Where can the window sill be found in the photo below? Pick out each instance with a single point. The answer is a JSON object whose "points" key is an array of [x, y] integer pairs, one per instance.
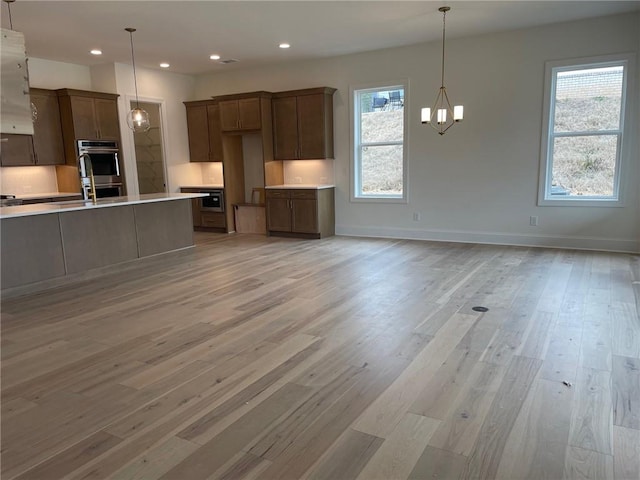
{"points": [[587, 202], [399, 200]]}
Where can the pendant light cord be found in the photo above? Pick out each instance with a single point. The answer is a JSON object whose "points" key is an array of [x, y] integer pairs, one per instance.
{"points": [[10, 19], [133, 61]]}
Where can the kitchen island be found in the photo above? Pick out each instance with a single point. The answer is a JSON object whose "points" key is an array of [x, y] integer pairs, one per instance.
{"points": [[44, 244]]}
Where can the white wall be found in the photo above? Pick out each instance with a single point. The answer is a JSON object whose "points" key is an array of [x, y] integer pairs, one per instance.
{"points": [[52, 75], [170, 90], [103, 78], [479, 181]]}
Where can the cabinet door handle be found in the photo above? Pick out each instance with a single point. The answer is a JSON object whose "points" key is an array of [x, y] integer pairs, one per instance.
{"points": [[35, 158]]}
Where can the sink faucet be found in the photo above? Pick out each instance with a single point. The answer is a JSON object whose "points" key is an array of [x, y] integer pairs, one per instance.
{"points": [[89, 172]]}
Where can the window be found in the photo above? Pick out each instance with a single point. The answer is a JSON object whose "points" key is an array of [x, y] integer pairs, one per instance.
{"points": [[379, 157], [583, 142]]}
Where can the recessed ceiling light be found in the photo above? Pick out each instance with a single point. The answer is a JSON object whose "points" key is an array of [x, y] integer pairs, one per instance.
{"points": [[284, 45], [95, 51], [215, 57], [165, 65]]}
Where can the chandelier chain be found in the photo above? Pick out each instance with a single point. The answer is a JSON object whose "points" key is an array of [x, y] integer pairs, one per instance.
{"points": [[444, 15]]}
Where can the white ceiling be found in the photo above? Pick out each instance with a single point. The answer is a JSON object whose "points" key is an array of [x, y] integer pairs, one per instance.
{"points": [[185, 33]]}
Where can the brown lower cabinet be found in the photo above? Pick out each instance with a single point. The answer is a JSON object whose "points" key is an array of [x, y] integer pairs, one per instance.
{"points": [[205, 220], [305, 213]]}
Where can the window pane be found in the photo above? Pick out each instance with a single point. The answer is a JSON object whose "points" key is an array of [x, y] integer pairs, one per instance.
{"points": [[584, 166], [381, 170], [588, 100], [382, 116]]}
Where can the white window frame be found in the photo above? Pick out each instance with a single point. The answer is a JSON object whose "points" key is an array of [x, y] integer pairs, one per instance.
{"points": [[546, 148], [354, 108]]}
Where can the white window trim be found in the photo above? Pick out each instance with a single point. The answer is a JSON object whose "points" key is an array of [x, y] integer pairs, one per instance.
{"points": [[624, 145], [354, 127]]}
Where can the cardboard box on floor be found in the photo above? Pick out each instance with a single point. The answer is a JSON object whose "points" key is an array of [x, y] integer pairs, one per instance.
{"points": [[250, 217]]}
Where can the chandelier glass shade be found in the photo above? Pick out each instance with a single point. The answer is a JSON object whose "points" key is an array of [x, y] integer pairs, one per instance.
{"points": [[442, 116]]}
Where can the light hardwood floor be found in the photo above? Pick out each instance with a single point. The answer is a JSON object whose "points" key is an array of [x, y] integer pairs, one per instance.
{"points": [[251, 357]]}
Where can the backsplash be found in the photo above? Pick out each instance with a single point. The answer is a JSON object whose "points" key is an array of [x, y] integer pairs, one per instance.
{"points": [[308, 171], [212, 173], [25, 180]]}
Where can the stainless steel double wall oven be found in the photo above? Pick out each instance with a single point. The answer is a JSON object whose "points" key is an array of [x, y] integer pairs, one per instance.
{"points": [[104, 155]]}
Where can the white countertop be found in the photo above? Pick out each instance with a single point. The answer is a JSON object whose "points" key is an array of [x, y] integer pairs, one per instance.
{"points": [[74, 205], [211, 185], [301, 186]]}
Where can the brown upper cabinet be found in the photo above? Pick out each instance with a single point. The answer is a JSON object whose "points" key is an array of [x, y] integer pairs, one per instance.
{"points": [[87, 116], [45, 146], [47, 129], [205, 136], [16, 150], [303, 124], [242, 112]]}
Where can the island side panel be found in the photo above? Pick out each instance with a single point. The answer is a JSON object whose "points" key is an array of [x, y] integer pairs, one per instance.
{"points": [[98, 237], [31, 250], [163, 226]]}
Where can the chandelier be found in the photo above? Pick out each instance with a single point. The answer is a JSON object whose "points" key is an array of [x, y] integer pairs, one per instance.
{"points": [[442, 112]]}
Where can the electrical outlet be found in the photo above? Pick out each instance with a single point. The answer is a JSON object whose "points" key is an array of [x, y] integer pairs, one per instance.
{"points": [[297, 179], [416, 216], [323, 180], [26, 189], [533, 221]]}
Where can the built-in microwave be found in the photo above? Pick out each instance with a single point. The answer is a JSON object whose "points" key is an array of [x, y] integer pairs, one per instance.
{"points": [[213, 202]]}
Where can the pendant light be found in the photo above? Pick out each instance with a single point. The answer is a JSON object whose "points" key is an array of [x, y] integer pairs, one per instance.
{"points": [[137, 119], [445, 115]]}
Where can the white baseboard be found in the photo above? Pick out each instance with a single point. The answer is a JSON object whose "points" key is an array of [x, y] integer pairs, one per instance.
{"points": [[495, 238]]}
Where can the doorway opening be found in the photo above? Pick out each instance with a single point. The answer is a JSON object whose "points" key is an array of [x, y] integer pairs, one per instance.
{"points": [[150, 162]]}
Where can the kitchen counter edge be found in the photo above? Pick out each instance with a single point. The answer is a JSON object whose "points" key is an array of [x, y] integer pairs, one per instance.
{"points": [[75, 205], [204, 187]]}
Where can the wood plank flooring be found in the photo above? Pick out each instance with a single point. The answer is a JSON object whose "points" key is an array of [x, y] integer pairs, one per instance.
{"points": [[264, 358]]}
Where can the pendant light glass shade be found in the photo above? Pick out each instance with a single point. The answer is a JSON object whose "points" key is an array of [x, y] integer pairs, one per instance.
{"points": [[137, 118]]}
